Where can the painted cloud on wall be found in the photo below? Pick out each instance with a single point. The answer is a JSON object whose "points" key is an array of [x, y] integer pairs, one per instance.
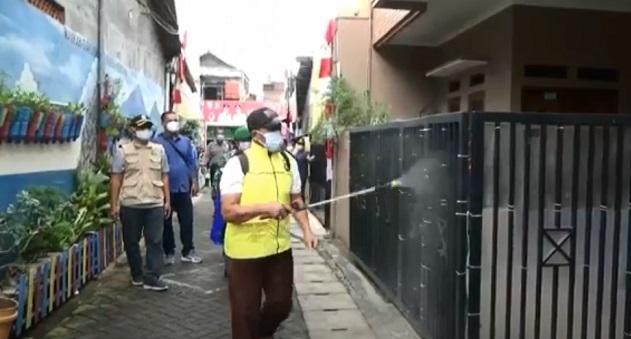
{"points": [[46, 56]]}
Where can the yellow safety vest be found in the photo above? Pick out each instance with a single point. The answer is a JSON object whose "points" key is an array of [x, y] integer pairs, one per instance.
{"points": [[268, 179]]}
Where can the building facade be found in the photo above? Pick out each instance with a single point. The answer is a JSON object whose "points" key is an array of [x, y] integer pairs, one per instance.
{"points": [[65, 50], [426, 57], [222, 81], [538, 55]]}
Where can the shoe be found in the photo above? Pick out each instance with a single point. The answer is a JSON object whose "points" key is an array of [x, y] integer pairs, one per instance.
{"points": [[169, 260], [191, 258], [136, 282], [156, 286]]}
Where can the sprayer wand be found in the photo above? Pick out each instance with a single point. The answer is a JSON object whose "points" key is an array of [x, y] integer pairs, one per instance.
{"points": [[392, 184]]}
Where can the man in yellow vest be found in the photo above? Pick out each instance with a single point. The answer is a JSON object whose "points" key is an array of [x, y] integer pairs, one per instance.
{"points": [[139, 187], [257, 189]]}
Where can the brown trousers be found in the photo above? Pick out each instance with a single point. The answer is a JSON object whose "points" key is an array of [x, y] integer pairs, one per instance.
{"points": [[248, 280]]}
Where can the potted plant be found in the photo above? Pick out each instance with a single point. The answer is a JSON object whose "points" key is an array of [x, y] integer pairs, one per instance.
{"points": [[40, 106], [22, 109], [6, 97], [78, 111]]}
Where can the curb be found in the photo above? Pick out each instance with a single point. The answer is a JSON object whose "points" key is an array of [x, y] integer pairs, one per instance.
{"points": [[378, 311]]}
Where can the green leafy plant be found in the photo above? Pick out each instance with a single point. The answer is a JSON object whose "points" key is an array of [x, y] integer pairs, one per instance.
{"points": [[45, 220], [26, 222], [36, 101], [350, 109], [91, 200], [6, 94], [77, 109], [190, 128], [102, 163], [117, 120]]}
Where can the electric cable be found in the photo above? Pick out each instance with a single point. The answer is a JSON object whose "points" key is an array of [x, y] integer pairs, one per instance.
{"points": [[160, 21]]}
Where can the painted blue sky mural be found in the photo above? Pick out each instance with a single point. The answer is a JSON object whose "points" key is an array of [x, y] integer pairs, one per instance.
{"points": [[47, 57]]}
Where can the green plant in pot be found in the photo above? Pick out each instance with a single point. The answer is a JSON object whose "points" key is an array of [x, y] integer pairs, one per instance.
{"points": [[91, 200], [350, 109]]}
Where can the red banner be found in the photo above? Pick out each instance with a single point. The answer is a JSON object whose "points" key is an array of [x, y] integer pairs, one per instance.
{"points": [[234, 113]]}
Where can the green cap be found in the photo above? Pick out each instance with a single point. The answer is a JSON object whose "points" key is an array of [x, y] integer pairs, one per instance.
{"points": [[242, 134]]}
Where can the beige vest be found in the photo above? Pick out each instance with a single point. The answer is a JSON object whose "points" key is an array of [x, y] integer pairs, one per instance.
{"points": [[142, 177]]}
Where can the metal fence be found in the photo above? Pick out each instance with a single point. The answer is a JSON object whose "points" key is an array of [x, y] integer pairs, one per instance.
{"points": [[510, 225]]}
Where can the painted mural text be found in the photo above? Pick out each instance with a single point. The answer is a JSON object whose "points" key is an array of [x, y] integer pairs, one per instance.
{"points": [[80, 41]]}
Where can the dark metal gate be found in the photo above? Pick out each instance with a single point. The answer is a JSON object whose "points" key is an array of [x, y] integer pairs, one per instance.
{"points": [[511, 225]]}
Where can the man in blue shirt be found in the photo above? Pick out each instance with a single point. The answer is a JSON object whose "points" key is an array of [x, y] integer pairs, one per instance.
{"points": [[184, 184]]}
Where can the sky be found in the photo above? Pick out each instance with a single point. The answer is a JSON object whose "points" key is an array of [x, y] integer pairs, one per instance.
{"points": [[262, 37]]}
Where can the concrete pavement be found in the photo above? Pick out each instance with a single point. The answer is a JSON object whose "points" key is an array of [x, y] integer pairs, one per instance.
{"points": [[196, 306]]}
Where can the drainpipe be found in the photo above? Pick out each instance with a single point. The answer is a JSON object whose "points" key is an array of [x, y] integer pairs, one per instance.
{"points": [[101, 139], [100, 49], [371, 50]]}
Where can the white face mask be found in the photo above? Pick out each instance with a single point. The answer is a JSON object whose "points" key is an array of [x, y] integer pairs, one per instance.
{"points": [[243, 145], [173, 126], [144, 134]]}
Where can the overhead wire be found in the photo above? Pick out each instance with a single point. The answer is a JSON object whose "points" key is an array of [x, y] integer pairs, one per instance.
{"points": [[159, 20]]}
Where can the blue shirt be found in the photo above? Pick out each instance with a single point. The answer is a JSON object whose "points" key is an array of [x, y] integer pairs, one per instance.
{"points": [[182, 164]]}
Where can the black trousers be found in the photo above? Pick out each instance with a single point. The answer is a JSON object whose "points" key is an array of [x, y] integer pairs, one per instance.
{"points": [[182, 204], [147, 222]]}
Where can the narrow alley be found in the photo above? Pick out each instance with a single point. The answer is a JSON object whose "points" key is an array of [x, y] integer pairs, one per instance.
{"points": [[196, 305]]}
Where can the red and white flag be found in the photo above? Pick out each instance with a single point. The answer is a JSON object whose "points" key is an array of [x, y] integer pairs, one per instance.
{"points": [[326, 71]]}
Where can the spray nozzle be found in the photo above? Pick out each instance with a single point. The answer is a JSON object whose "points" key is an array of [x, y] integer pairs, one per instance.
{"points": [[396, 183]]}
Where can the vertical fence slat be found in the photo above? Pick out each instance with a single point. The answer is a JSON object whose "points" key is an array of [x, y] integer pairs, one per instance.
{"points": [[475, 226], [589, 201], [495, 226], [576, 147], [602, 232], [525, 231], [511, 229], [557, 241], [541, 199], [618, 181]]}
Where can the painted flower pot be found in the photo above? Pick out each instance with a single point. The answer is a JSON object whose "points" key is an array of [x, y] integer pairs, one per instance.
{"points": [[49, 127], [104, 120], [59, 125], [19, 127], [101, 140], [5, 123], [78, 126], [39, 132], [67, 127], [34, 125], [3, 114], [8, 313]]}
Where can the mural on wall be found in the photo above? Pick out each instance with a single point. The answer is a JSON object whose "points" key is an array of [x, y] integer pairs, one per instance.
{"points": [[41, 55]]}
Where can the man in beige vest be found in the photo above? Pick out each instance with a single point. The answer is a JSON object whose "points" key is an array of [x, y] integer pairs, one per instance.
{"points": [[140, 200]]}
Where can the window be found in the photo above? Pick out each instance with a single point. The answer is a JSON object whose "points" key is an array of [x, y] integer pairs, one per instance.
{"points": [[598, 74], [453, 104], [213, 93], [476, 101], [545, 71], [477, 79], [454, 86], [51, 8]]}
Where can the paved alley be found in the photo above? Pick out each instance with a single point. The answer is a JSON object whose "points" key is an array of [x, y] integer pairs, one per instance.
{"points": [[332, 300], [196, 305]]}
